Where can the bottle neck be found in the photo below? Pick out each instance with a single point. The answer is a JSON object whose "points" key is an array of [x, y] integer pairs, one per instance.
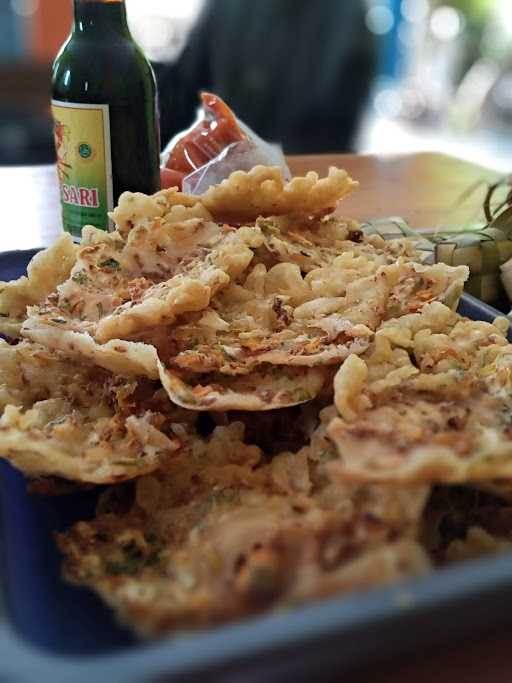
{"points": [[100, 17]]}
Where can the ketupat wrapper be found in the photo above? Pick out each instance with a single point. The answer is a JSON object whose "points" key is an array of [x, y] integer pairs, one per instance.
{"points": [[483, 249], [394, 228], [486, 246]]}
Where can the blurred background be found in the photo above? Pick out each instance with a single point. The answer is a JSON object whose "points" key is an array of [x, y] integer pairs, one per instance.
{"points": [[335, 75]]}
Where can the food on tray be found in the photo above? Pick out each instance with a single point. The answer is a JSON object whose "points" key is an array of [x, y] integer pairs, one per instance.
{"points": [[426, 405], [46, 270], [264, 389], [272, 392], [79, 421], [264, 192], [219, 532]]}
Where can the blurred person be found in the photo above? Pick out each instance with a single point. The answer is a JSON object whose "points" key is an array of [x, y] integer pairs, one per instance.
{"points": [[297, 72]]}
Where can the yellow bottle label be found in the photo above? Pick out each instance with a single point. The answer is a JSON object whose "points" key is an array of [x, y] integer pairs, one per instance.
{"points": [[84, 164]]}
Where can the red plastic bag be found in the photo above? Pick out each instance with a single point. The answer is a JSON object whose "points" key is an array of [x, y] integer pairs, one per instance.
{"points": [[215, 146]]}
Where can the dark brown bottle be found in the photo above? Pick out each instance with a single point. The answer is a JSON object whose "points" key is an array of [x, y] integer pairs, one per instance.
{"points": [[105, 115]]}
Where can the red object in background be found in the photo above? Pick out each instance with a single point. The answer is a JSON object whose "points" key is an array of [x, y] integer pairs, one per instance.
{"points": [[170, 178], [49, 26], [206, 140]]}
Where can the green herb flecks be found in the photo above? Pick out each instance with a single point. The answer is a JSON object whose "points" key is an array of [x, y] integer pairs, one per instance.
{"points": [[80, 278], [301, 395], [267, 224], [326, 455]]}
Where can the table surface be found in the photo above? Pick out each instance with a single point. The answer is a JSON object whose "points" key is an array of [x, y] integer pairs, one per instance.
{"points": [[423, 189]]}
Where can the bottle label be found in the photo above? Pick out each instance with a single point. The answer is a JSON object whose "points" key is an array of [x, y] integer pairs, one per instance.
{"points": [[84, 164]]}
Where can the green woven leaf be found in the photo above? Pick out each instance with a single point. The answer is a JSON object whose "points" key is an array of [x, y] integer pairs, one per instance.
{"points": [[503, 220], [396, 228], [389, 228], [482, 248]]}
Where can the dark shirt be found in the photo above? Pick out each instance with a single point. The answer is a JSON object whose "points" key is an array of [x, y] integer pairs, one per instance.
{"points": [[296, 71]]}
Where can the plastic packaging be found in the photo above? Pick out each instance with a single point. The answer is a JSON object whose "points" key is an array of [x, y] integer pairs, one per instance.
{"points": [[214, 146]]}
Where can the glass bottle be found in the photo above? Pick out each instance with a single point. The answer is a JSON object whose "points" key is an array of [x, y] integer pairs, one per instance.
{"points": [[104, 104]]}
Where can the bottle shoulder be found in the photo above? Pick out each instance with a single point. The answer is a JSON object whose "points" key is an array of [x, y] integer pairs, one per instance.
{"points": [[86, 69]]}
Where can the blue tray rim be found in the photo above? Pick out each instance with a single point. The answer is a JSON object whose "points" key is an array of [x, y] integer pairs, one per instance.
{"points": [[269, 633]]}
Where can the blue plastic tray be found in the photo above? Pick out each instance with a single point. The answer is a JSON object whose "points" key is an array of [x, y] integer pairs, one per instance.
{"points": [[52, 631]]}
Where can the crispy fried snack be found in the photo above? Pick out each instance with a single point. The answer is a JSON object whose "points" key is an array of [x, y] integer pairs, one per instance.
{"points": [[146, 353], [266, 388], [317, 241], [216, 534], [136, 211], [274, 317], [263, 192], [80, 422], [130, 359], [220, 300], [45, 271], [426, 406], [167, 256], [114, 291]]}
